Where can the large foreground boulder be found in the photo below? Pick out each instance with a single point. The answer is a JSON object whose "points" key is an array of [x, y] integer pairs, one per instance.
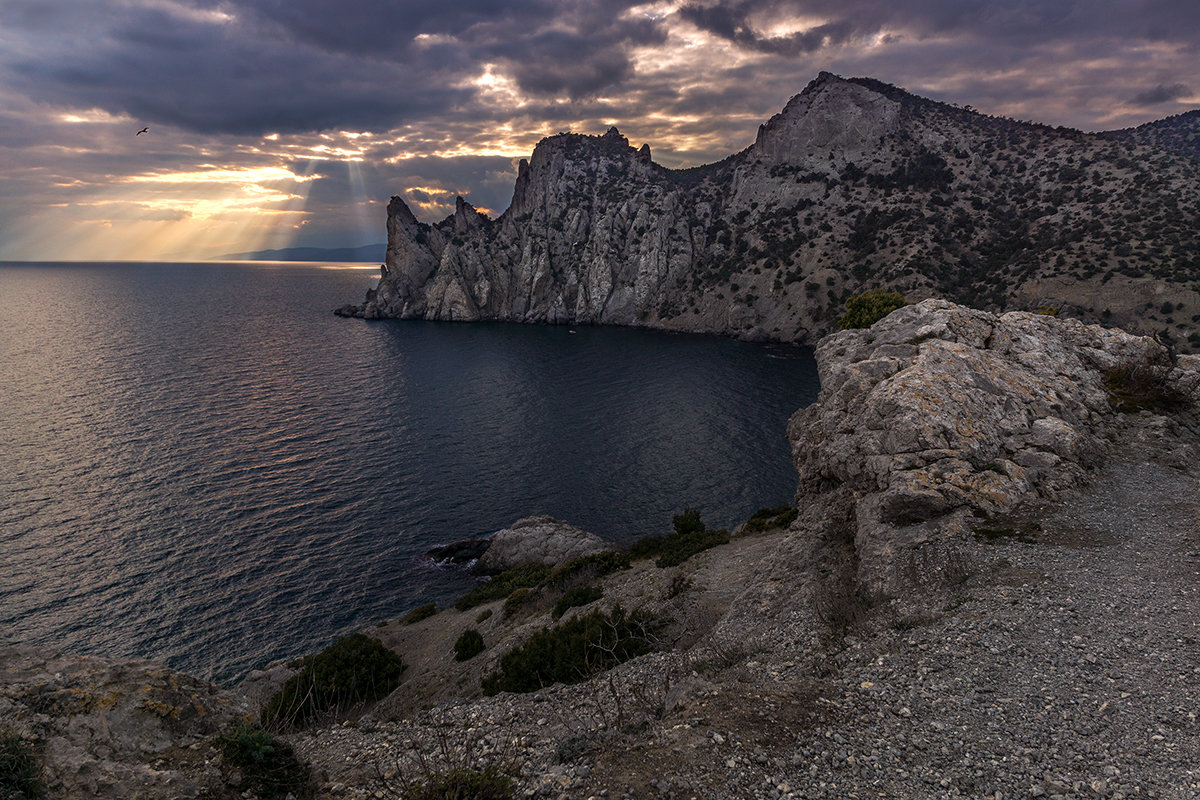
{"points": [[542, 538], [116, 728], [939, 412]]}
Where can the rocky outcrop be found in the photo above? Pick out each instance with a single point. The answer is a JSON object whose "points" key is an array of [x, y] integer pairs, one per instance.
{"points": [[854, 183], [939, 413], [541, 538], [116, 728]]}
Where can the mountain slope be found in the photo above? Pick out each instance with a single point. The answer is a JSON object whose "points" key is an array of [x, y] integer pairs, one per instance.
{"points": [[855, 183], [1179, 133]]}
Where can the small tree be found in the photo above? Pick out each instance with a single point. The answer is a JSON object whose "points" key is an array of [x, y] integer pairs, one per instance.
{"points": [[864, 310], [469, 645], [687, 522]]}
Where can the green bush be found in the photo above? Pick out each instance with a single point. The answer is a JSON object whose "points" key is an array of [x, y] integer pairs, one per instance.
{"points": [[690, 537], [269, 766], [513, 603], [573, 651], [595, 565], [767, 519], [353, 670], [687, 522], [20, 777], [484, 615], [417, 614], [577, 596], [463, 784], [469, 645], [503, 585], [864, 310]]}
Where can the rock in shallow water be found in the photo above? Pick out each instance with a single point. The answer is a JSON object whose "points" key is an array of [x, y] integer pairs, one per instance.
{"points": [[541, 538]]}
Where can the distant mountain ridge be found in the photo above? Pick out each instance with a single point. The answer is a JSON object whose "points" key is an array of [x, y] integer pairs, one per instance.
{"points": [[1179, 133], [855, 183], [367, 252]]}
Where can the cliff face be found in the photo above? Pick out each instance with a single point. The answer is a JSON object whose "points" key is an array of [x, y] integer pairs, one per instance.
{"points": [[854, 183]]}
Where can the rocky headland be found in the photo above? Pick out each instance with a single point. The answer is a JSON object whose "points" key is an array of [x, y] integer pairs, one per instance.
{"points": [[855, 183], [988, 588]]}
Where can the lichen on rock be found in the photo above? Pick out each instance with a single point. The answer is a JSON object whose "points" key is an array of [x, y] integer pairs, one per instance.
{"points": [[939, 412]]}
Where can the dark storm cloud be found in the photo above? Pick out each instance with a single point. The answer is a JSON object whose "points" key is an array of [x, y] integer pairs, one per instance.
{"points": [[212, 77], [208, 76], [732, 21], [1022, 21], [273, 65], [1160, 94]]}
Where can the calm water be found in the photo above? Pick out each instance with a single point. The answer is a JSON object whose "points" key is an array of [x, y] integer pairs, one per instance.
{"points": [[200, 463]]}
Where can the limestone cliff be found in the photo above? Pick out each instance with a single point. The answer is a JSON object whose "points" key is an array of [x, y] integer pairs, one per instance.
{"points": [[940, 413], [854, 183]]}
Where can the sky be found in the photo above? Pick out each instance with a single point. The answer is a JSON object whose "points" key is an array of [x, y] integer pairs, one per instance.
{"points": [[277, 123]]}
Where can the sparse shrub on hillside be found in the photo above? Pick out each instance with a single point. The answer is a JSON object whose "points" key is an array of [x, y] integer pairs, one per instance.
{"points": [[596, 565], [417, 614], [468, 645], [864, 310], [766, 519], [1146, 386], [690, 537], [574, 651], [504, 584], [464, 783], [269, 767], [20, 776], [513, 603], [576, 596], [353, 670]]}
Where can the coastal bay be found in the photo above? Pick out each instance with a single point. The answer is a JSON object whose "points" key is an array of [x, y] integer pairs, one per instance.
{"points": [[202, 466]]}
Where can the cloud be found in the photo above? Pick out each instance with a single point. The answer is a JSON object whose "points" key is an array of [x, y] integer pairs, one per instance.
{"points": [[447, 94], [1160, 94], [732, 21]]}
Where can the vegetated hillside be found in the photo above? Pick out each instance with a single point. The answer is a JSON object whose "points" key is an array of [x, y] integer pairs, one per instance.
{"points": [[855, 183], [1179, 133]]}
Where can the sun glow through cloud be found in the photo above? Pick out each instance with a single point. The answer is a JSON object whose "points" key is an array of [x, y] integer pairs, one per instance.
{"points": [[254, 106], [183, 214]]}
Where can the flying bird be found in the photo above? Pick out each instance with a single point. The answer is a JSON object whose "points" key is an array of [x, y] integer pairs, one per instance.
{"points": [[143, 130]]}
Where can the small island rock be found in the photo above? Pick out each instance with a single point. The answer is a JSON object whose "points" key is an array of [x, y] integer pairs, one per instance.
{"points": [[541, 538]]}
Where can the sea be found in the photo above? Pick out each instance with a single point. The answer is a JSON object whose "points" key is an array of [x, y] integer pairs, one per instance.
{"points": [[201, 464]]}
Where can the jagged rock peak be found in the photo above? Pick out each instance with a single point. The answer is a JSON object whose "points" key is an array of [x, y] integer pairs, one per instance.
{"points": [[466, 216], [398, 209], [832, 113], [611, 140]]}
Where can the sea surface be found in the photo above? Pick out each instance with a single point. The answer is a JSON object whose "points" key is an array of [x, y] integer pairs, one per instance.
{"points": [[200, 463]]}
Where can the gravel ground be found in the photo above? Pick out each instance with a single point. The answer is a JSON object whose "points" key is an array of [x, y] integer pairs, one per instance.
{"points": [[1073, 671], [1068, 667]]}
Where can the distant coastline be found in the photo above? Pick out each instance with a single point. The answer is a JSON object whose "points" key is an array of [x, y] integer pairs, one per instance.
{"points": [[367, 252]]}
